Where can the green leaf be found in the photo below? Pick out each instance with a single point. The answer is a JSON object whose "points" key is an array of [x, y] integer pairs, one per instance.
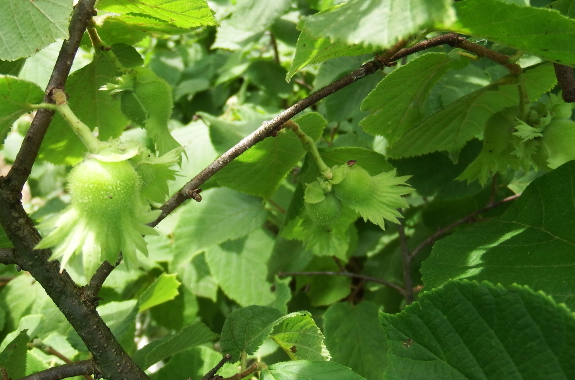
{"points": [[303, 370], [127, 55], [258, 15], [539, 31], [28, 26], [269, 76], [163, 289], [396, 104], [298, 335], [18, 297], [189, 336], [246, 329], [240, 269], [16, 95], [222, 215], [451, 127], [13, 358], [260, 169], [94, 107], [225, 134], [532, 243], [468, 330], [355, 338], [378, 23], [311, 50], [180, 13], [194, 363]]}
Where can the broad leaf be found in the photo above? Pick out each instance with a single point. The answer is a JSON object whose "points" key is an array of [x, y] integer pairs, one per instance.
{"points": [[451, 127], [378, 23], [239, 267], [469, 330], [303, 370], [532, 243], [13, 358], [311, 50], [298, 335], [539, 31], [189, 336], [163, 289], [96, 108], [180, 13], [261, 168], [396, 104], [16, 95], [246, 329], [222, 215], [355, 338], [28, 26], [258, 15]]}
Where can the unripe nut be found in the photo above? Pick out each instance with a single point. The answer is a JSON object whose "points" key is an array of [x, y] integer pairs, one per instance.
{"points": [[326, 211], [355, 189], [106, 190]]}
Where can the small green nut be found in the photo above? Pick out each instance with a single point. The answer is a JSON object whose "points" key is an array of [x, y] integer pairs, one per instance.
{"points": [[559, 142], [105, 191], [356, 187], [326, 212]]}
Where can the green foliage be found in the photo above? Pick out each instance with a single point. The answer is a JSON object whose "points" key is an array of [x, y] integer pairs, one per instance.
{"points": [[465, 146], [462, 318]]}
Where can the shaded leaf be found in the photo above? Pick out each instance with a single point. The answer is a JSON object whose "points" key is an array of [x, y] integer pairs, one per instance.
{"points": [[532, 243], [469, 330], [260, 169], [355, 338], [246, 329]]}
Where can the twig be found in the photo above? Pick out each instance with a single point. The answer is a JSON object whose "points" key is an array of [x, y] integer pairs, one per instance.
{"points": [[92, 289], [566, 81], [22, 167], [406, 261], [84, 367], [346, 274], [267, 129], [466, 219], [454, 40], [51, 351], [251, 369], [213, 371]]}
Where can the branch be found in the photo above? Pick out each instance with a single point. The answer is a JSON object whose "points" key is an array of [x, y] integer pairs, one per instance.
{"points": [[22, 167], [468, 218], [267, 129], [84, 367], [346, 274], [7, 256], [566, 81], [454, 40]]}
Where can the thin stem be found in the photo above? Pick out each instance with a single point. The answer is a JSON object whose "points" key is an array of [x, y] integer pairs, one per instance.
{"points": [[100, 46], [81, 129], [213, 371], [309, 145], [257, 366], [468, 218], [523, 99], [346, 274], [31, 145], [406, 261]]}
